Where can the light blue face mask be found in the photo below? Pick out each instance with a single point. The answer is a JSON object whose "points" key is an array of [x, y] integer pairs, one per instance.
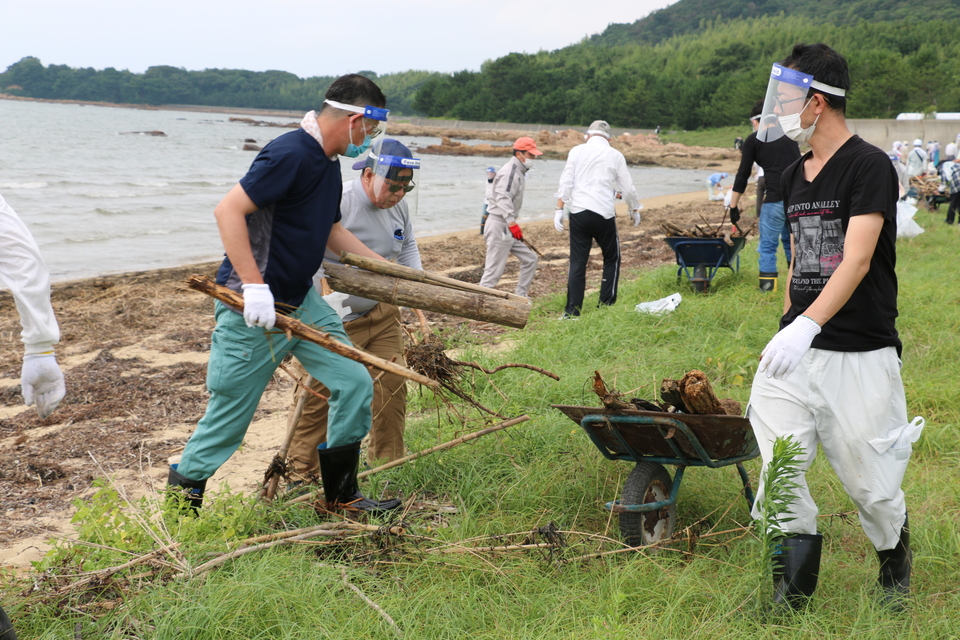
{"points": [[353, 150]]}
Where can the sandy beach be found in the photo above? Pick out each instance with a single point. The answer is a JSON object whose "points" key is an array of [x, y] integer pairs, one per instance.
{"points": [[134, 349]]}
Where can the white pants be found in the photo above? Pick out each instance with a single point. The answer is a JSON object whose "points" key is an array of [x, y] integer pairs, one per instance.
{"points": [[712, 191], [500, 245], [853, 405]]}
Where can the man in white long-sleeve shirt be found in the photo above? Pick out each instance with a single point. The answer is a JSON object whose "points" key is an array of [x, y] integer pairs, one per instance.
{"points": [[377, 208], [595, 172], [23, 271]]}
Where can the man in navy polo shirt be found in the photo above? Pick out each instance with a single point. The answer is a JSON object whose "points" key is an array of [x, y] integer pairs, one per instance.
{"points": [[275, 225]]}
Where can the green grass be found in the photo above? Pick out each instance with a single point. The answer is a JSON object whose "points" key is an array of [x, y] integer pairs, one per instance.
{"points": [[546, 471], [719, 137]]}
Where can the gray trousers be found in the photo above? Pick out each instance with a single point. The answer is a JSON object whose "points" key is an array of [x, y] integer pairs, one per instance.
{"points": [[500, 245]]}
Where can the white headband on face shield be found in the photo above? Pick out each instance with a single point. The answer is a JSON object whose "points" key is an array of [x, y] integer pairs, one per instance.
{"points": [[834, 91], [374, 113]]}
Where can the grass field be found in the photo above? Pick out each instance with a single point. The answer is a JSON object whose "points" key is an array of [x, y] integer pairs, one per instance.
{"points": [[541, 481]]}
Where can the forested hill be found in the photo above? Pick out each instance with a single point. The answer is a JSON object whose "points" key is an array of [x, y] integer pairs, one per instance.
{"points": [[695, 16], [705, 79], [694, 64]]}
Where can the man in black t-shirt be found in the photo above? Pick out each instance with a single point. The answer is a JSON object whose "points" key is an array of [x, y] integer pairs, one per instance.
{"points": [[831, 375], [773, 157]]}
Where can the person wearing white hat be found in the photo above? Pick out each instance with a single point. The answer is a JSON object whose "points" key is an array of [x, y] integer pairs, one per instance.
{"points": [[713, 185], [916, 159], [594, 173]]}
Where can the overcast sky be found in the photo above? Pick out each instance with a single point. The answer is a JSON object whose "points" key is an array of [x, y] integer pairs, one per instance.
{"points": [[305, 37]]}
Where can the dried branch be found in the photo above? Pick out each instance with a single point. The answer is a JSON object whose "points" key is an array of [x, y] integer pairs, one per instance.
{"points": [[506, 366], [373, 605]]}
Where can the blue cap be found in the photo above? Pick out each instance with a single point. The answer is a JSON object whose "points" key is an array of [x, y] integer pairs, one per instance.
{"points": [[390, 147], [492, 169]]}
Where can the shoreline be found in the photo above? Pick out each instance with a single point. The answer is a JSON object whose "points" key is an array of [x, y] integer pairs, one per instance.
{"points": [[654, 203]]}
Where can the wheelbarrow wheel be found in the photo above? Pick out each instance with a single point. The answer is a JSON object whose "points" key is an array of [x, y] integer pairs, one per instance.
{"points": [[648, 482], [700, 282]]}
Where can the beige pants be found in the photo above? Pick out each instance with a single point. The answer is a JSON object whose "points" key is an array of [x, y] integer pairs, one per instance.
{"points": [[377, 332]]}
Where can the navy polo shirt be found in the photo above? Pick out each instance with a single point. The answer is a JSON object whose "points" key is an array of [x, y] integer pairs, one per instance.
{"points": [[297, 190]]}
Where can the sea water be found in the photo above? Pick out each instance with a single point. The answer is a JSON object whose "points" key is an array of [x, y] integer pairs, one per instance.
{"points": [[103, 196]]}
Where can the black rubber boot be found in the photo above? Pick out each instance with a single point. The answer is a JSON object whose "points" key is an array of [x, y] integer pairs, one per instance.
{"points": [[768, 281], [796, 569], [193, 488], [6, 627], [338, 473], [895, 566]]}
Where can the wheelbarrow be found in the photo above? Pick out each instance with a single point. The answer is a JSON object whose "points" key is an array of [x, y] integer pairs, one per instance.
{"points": [[650, 439], [701, 258]]}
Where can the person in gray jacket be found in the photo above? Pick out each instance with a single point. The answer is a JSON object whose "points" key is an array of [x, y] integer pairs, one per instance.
{"points": [[377, 207], [501, 232]]}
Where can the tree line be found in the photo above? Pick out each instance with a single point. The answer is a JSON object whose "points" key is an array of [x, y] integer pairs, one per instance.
{"points": [[210, 87]]}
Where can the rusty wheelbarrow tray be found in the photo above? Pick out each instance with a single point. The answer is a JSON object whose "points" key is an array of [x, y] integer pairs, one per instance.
{"points": [[651, 439]]}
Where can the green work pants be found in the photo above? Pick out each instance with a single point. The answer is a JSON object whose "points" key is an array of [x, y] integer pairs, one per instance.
{"points": [[242, 361]]}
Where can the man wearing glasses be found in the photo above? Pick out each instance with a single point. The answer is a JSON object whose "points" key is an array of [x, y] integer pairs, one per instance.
{"points": [[501, 231], [378, 208], [274, 225]]}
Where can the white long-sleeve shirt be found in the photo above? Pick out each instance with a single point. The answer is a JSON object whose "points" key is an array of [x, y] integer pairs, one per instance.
{"points": [[388, 232], [594, 173], [24, 272]]}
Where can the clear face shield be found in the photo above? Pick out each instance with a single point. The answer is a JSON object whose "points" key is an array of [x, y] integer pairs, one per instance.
{"points": [[371, 130], [785, 101], [391, 175]]}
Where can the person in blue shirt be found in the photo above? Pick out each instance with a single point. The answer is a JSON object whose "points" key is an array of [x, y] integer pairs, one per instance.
{"points": [[714, 191], [275, 225]]}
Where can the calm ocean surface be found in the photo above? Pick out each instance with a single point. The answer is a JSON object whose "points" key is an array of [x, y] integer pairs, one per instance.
{"points": [[102, 200]]}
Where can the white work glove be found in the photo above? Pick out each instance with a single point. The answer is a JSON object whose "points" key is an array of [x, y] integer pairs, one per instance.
{"points": [[635, 216], [258, 310], [783, 353], [41, 382], [558, 220]]}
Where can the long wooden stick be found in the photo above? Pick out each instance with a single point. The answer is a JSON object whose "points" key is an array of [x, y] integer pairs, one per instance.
{"points": [[532, 248], [409, 273], [440, 447], [290, 326], [270, 489]]}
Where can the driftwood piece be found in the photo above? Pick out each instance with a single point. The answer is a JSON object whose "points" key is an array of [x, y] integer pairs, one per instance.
{"points": [[670, 393], [293, 327], [697, 394], [731, 407], [429, 297], [416, 275]]}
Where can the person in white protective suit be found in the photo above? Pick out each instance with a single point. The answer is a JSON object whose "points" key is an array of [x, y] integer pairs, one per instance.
{"points": [[831, 375], [24, 272]]}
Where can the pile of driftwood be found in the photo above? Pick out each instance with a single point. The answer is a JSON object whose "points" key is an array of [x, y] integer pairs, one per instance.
{"points": [[707, 230], [693, 393]]}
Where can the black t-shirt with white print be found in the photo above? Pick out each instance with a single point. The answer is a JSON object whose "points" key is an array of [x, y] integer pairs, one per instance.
{"points": [[857, 180]]}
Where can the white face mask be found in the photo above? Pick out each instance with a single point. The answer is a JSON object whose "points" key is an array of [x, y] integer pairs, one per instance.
{"points": [[792, 129]]}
